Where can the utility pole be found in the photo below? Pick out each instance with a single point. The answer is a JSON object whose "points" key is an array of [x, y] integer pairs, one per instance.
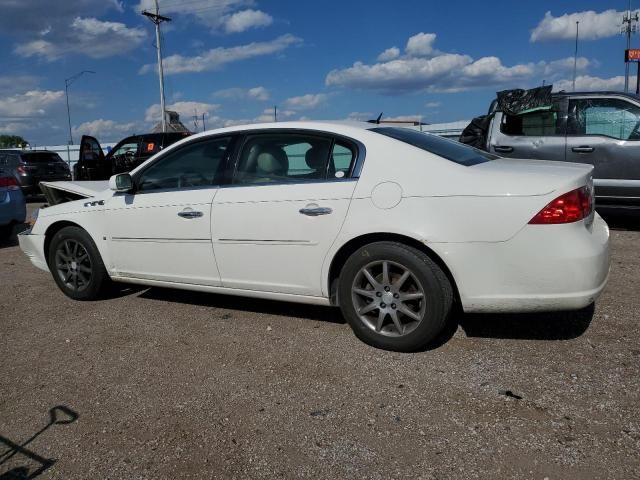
{"points": [[204, 126], [275, 113], [67, 82], [628, 28], [575, 58], [157, 19]]}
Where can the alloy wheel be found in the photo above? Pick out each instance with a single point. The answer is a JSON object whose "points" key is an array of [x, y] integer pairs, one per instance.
{"points": [[388, 298], [73, 265]]}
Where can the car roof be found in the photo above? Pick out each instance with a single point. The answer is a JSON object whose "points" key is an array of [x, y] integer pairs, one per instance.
{"points": [[600, 93], [332, 126]]}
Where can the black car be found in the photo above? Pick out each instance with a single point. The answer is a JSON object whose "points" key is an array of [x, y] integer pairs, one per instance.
{"points": [[32, 167], [93, 164]]}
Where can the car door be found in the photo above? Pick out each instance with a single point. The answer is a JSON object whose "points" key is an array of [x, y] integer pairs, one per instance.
{"points": [[162, 230], [91, 164], [605, 132], [537, 135], [273, 227]]}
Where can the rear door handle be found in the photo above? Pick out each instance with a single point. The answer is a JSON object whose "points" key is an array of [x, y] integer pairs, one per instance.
{"points": [[582, 149], [502, 148], [189, 214], [315, 211]]}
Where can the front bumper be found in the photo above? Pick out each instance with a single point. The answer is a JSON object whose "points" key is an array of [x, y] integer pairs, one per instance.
{"points": [[33, 247], [542, 268]]}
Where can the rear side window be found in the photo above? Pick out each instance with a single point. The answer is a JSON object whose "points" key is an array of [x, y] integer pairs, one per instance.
{"points": [[41, 157], [534, 124], [443, 147]]}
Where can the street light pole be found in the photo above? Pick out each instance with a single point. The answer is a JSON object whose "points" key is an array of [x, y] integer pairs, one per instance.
{"points": [[67, 82], [575, 58]]}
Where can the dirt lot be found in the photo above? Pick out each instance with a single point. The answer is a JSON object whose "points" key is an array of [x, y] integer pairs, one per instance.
{"points": [[167, 384]]}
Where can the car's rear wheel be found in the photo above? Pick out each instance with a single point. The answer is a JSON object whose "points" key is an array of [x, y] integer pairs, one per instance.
{"points": [[76, 265], [394, 296]]}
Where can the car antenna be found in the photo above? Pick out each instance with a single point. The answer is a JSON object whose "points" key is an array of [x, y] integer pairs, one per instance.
{"points": [[377, 120]]}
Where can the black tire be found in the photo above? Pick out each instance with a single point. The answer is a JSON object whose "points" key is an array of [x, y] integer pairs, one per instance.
{"points": [[68, 247], [428, 293]]}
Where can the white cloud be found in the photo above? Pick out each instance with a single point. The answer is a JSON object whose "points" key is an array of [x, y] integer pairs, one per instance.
{"points": [[589, 83], [432, 104], [306, 102], [218, 57], [389, 54], [360, 116], [426, 69], [186, 110], [85, 36], [228, 16], [10, 84], [421, 45], [246, 19], [29, 104], [593, 26], [256, 93], [107, 130]]}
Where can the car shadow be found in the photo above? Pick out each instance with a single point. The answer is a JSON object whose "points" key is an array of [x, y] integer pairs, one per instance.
{"points": [[12, 239], [620, 219], [246, 304], [529, 326], [23, 462]]}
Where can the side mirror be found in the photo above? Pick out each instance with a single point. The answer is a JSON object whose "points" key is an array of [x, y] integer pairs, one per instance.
{"points": [[122, 182]]}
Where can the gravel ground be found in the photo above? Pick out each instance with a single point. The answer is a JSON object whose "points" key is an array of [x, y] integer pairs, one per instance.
{"points": [[168, 384]]}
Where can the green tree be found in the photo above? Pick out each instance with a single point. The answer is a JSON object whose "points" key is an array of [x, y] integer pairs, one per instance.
{"points": [[12, 141]]}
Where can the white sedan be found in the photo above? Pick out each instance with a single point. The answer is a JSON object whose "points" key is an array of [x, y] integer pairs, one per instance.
{"points": [[391, 225]]}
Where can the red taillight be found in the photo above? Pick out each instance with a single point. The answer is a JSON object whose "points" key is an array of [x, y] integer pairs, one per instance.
{"points": [[570, 207], [9, 182]]}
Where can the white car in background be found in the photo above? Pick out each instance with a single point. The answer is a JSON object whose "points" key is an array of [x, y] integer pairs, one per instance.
{"points": [[392, 225]]}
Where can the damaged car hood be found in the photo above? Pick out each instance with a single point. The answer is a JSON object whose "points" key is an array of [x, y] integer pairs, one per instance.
{"points": [[61, 192]]}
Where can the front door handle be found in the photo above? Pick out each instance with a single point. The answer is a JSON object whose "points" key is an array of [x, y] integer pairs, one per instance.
{"points": [[189, 214], [315, 211], [582, 149], [502, 148]]}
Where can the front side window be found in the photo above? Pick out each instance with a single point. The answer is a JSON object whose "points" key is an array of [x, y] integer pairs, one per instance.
{"points": [[274, 158], [611, 117], [198, 164], [129, 148], [535, 124]]}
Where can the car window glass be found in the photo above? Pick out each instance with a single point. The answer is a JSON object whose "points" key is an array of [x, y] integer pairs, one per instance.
{"points": [[541, 123], [125, 148], [443, 147], [611, 117], [283, 158], [341, 159], [195, 165], [3, 159], [90, 149]]}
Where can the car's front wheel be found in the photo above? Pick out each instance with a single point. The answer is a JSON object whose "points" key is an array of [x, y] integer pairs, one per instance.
{"points": [[76, 265], [394, 296]]}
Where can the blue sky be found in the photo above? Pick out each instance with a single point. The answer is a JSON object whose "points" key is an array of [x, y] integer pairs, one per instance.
{"points": [[232, 60]]}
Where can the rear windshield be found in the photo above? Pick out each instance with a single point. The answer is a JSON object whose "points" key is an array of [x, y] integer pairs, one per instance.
{"points": [[443, 147], [40, 157]]}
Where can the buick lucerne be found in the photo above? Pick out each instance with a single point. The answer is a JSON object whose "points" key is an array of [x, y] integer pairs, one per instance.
{"points": [[393, 226]]}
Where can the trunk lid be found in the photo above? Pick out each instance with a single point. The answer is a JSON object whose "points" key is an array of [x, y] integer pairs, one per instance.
{"points": [[520, 177]]}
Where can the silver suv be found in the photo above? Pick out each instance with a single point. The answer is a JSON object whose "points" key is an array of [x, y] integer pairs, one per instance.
{"points": [[600, 128]]}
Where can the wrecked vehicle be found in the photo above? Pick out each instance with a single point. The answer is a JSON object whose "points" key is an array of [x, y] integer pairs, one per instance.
{"points": [[597, 128], [93, 164]]}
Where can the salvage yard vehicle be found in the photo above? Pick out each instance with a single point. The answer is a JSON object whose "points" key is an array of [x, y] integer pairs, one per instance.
{"points": [[597, 128], [30, 167], [13, 209], [391, 225], [126, 155]]}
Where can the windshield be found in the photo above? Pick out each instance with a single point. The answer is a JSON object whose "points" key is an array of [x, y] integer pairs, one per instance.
{"points": [[41, 157], [443, 147]]}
